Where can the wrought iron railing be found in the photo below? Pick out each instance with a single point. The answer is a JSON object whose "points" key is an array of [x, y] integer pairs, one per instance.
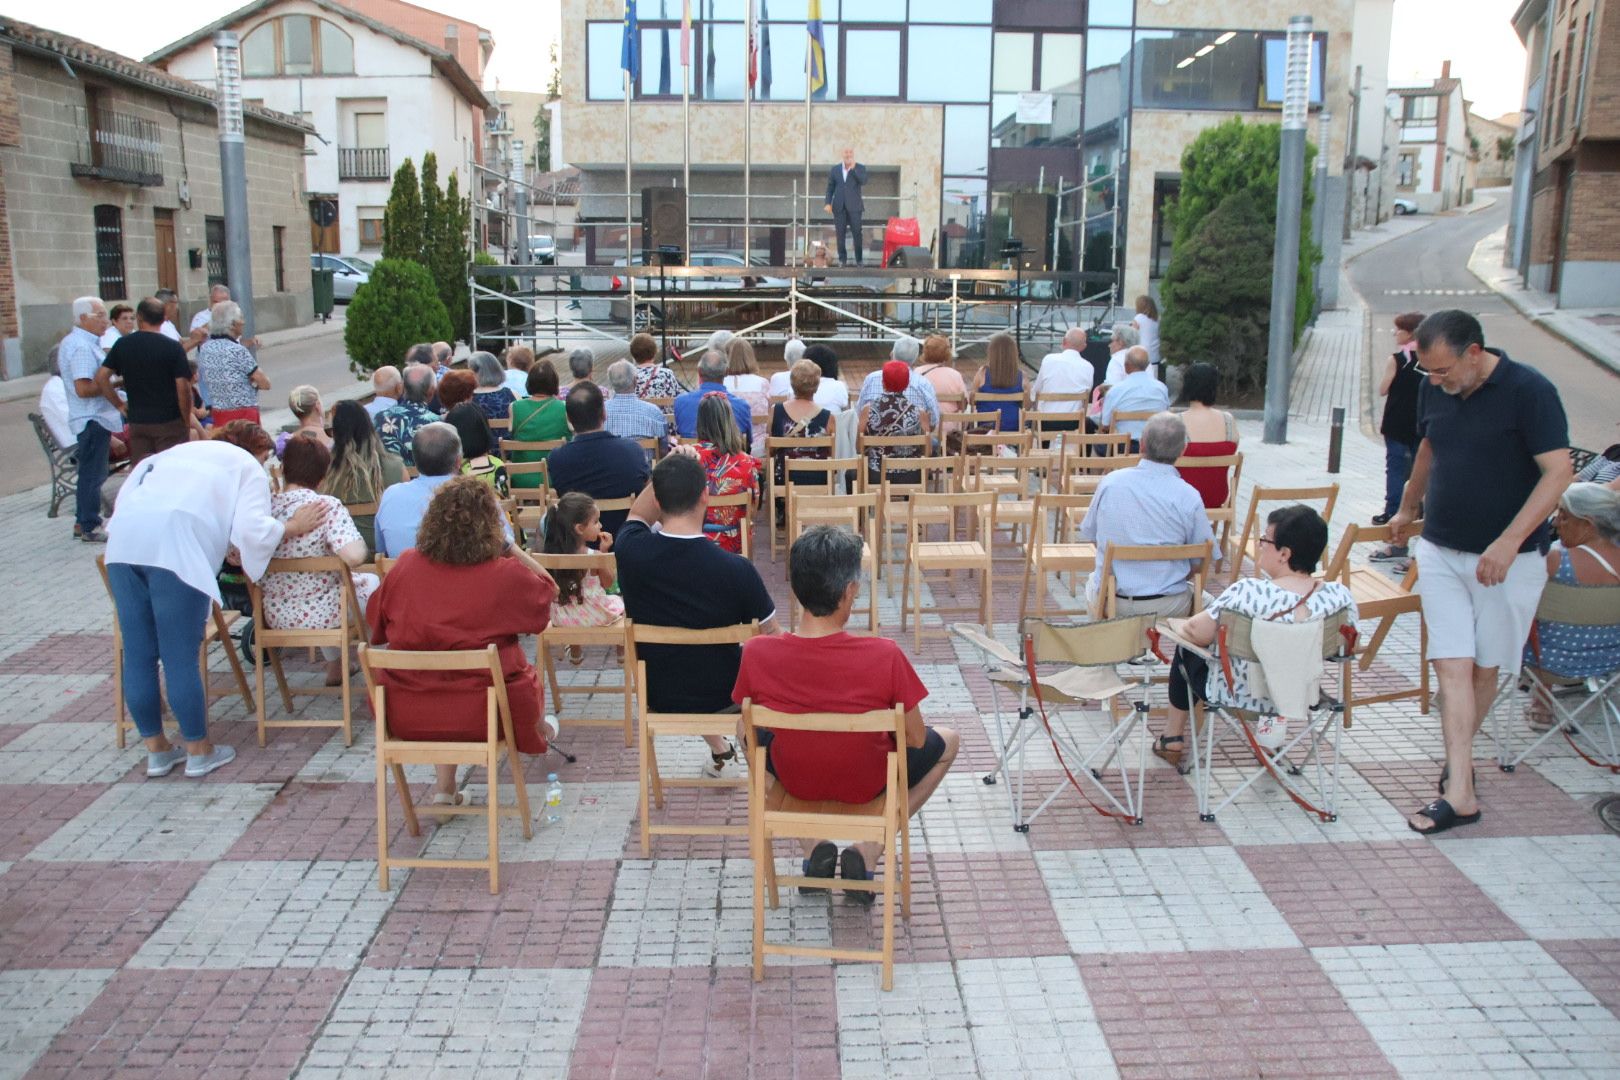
{"points": [[118, 147], [363, 163]]}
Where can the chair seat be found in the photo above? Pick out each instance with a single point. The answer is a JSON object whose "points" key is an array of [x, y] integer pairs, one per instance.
{"points": [[943, 555], [778, 799], [1377, 595], [1075, 556], [1016, 511]]}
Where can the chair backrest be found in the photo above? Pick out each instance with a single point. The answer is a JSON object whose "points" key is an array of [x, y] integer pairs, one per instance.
{"points": [[499, 424], [646, 634], [890, 721], [1254, 522], [1338, 567], [1133, 415], [1057, 505], [923, 507], [1088, 644], [1044, 400], [825, 471], [745, 527], [361, 509], [988, 442], [1020, 468], [1235, 634], [857, 512], [384, 563], [1579, 605], [1234, 462], [42, 432], [487, 659], [969, 418], [590, 560], [775, 444], [884, 443], [1102, 444], [1118, 553], [349, 606]]}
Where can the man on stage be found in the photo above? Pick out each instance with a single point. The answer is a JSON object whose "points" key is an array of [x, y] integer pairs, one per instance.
{"points": [[844, 203]]}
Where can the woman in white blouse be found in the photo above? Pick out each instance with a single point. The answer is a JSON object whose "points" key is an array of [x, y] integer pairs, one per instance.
{"points": [[177, 517]]}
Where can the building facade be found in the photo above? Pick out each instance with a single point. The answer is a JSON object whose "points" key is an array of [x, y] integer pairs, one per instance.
{"points": [[110, 185], [954, 107], [1493, 143], [1566, 187], [1433, 162], [375, 95]]}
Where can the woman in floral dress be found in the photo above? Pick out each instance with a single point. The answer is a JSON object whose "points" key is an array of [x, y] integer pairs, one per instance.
{"points": [[724, 454]]}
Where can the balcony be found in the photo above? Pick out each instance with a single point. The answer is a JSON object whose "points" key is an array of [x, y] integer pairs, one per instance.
{"points": [[119, 148], [363, 163]]}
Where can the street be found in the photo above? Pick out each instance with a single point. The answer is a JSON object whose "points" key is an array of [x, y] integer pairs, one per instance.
{"points": [[1428, 270]]}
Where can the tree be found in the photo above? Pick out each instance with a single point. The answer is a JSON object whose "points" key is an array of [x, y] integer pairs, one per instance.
{"points": [[1505, 147], [445, 255], [396, 308], [1218, 291], [402, 217]]}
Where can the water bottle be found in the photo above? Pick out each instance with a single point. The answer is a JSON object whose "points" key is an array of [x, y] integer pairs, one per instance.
{"points": [[554, 804]]}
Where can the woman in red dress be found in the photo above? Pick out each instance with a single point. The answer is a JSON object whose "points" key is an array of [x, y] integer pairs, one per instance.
{"points": [[464, 586]]}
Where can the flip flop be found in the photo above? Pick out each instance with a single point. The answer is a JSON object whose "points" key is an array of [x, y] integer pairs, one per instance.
{"points": [[1445, 775], [1444, 818]]}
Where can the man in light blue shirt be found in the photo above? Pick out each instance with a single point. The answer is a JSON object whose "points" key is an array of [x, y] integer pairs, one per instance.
{"points": [[711, 380], [94, 414], [920, 392], [1149, 504], [437, 450], [1138, 391], [627, 415]]}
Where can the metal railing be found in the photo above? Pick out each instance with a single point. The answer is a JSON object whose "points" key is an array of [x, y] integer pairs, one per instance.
{"points": [[363, 163], [118, 147]]}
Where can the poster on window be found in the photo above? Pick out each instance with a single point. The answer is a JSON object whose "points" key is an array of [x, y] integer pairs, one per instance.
{"points": [[1034, 107]]}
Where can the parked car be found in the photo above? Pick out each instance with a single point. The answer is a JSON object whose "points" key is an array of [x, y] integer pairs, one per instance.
{"points": [[543, 250], [348, 273], [1405, 206]]}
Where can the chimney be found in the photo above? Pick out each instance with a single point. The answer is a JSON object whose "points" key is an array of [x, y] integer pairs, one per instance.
{"points": [[452, 39], [1445, 68]]}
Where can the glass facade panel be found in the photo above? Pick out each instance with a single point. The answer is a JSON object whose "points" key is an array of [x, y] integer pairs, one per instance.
{"points": [[657, 44], [1198, 69], [966, 140], [1014, 63], [337, 50], [259, 51], [602, 40], [871, 63], [1109, 12], [1276, 62], [1108, 66], [962, 220], [725, 61], [297, 46], [788, 43], [781, 10], [951, 11], [1003, 119], [1060, 62], [947, 63], [881, 11]]}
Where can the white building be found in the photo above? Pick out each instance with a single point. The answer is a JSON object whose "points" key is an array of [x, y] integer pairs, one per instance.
{"points": [[1372, 186], [374, 94], [1433, 161]]}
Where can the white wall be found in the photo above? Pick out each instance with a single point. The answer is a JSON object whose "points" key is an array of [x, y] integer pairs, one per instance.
{"points": [[1369, 48]]}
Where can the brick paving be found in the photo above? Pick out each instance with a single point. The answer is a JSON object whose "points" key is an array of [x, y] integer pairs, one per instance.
{"points": [[232, 927]]}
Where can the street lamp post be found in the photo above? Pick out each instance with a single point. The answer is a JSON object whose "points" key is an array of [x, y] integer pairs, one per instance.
{"points": [[1290, 197], [233, 173]]}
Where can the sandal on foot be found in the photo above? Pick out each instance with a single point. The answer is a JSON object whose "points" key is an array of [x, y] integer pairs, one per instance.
{"points": [[1445, 778], [1388, 553], [853, 868], [441, 798], [575, 654], [1444, 817], [822, 863], [1162, 748]]}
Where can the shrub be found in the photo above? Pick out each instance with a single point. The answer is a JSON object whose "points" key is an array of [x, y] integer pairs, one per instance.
{"points": [[402, 217], [396, 308]]}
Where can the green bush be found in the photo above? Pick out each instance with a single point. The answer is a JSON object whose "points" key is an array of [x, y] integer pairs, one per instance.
{"points": [[1218, 292], [402, 217], [396, 308]]}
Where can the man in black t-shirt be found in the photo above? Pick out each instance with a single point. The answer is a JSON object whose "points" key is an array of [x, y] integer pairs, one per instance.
{"points": [[674, 575], [156, 380], [1493, 460]]}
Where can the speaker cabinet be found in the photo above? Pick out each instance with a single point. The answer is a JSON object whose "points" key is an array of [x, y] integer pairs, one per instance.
{"points": [[911, 257], [1032, 217], [663, 221]]}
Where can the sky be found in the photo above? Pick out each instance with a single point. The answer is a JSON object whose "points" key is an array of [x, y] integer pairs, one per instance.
{"points": [[1475, 36]]}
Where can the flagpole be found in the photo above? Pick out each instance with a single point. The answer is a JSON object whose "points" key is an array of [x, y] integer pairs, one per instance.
{"points": [[748, 138], [686, 153], [809, 72], [629, 207]]}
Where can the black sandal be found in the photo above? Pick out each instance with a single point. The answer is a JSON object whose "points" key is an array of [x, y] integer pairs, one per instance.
{"points": [[1444, 817], [1161, 748], [1445, 775]]}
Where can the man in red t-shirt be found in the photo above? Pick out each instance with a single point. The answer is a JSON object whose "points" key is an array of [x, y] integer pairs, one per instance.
{"points": [[823, 669]]}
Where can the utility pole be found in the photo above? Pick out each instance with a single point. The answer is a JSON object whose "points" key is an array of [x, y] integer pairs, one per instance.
{"points": [[1285, 257], [233, 173], [1352, 152], [520, 203]]}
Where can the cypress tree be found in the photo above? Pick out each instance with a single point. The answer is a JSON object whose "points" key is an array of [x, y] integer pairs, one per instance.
{"points": [[402, 217]]}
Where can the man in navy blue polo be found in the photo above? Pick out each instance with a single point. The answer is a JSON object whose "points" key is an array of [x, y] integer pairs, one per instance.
{"points": [[1492, 462], [597, 462]]}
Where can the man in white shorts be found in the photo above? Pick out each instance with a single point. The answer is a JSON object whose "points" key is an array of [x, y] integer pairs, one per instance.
{"points": [[1492, 462]]}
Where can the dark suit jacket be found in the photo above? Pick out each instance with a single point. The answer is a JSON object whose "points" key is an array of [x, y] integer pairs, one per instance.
{"points": [[603, 466], [846, 194]]}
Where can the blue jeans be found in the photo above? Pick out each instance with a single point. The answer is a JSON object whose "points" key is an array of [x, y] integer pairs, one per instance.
{"points": [[94, 443], [161, 618], [1397, 467]]}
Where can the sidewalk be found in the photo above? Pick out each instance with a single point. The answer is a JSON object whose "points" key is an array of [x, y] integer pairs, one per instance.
{"points": [[1594, 331]]}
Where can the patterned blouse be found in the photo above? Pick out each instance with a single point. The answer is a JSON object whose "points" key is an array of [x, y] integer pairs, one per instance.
{"points": [[1261, 599], [311, 601], [654, 381], [728, 475], [496, 404], [892, 414], [226, 368], [397, 426]]}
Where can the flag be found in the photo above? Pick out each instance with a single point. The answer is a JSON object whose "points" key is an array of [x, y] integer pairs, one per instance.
{"points": [[753, 51], [818, 52], [663, 53], [686, 33], [764, 50], [630, 50]]}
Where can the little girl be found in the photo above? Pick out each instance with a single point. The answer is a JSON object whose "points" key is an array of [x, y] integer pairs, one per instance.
{"points": [[582, 598]]}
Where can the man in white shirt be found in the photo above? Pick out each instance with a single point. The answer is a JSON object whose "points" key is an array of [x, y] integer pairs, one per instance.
{"points": [[95, 413], [1065, 372], [199, 322], [792, 353], [171, 312]]}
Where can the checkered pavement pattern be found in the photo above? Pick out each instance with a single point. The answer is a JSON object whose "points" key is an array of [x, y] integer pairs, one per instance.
{"points": [[233, 926]]}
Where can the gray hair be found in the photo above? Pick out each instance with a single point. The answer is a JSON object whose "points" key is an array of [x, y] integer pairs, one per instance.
{"points": [[821, 566], [714, 365], [1137, 358], [621, 375], [442, 351], [419, 382], [224, 315], [436, 449], [1125, 334], [1164, 437], [84, 305], [488, 369], [580, 363], [219, 290], [792, 351], [906, 350], [387, 381], [719, 340], [1595, 503], [420, 354], [168, 296]]}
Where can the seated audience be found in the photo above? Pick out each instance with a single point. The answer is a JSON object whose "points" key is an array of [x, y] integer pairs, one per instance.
{"points": [[397, 425], [653, 379], [437, 452], [628, 416], [387, 387], [671, 575], [780, 385], [478, 446], [1146, 505], [1064, 372], [361, 469], [1001, 374], [823, 668], [1587, 555], [920, 391], [300, 601], [540, 417], [743, 380], [305, 403], [597, 462], [492, 395], [949, 388], [729, 467], [1138, 391], [572, 527], [711, 371], [1210, 433], [802, 417], [1285, 590], [53, 409], [893, 412], [832, 393], [464, 585], [456, 387], [519, 359]]}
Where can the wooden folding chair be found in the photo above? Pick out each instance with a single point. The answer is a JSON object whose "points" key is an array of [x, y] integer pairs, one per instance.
{"points": [[1131, 416], [1221, 518], [981, 398], [561, 637], [858, 514], [1114, 554], [394, 754], [892, 492], [1054, 555], [653, 447], [774, 814], [653, 724], [218, 628], [1254, 525], [1051, 433], [501, 426], [350, 630], [745, 524], [776, 447], [1382, 598], [1014, 480], [529, 496], [952, 553]]}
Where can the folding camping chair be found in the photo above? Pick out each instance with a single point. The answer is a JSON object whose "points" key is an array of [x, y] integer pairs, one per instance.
{"points": [[1089, 654]]}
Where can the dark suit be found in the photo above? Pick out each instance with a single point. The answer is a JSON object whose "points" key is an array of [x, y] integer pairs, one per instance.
{"points": [[603, 466], [844, 196]]}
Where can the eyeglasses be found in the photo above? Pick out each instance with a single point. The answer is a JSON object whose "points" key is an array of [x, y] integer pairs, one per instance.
{"points": [[1435, 373], [1266, 540]]}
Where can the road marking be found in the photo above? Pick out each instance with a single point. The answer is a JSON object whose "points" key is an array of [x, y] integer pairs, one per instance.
{"points": [[1437, 292]]}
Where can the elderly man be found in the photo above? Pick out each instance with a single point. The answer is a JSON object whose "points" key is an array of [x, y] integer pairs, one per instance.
{"points": [[156, 380], [628, 416], [397, 425], [920, 392], [1137, 392], [596, 461], [822, 668], [1122, 338], [792, 353], [171, 311], [217, 294], [436, 449], [95, 412], [1149, 504], [442, 355], [387, 387], [1065, 372], [711, 380]]}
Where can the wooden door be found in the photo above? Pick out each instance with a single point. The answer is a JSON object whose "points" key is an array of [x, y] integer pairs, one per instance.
{"points": [[324, 239], [168, 272]]}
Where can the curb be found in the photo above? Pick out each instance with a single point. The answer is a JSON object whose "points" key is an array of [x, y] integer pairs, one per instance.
{"points": [[1599, 349]]}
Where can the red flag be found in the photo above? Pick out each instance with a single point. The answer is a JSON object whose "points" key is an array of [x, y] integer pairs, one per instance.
{"points": [[686, 33]]}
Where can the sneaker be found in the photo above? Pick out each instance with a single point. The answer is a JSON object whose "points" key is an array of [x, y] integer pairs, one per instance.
{"points": [[552, 727], [92, 536], [203, 764], [715, 767], [823, 861], [163, 762]]}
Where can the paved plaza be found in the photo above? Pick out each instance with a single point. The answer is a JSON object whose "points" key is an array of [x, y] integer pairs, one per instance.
{"points": [[233, 926]]}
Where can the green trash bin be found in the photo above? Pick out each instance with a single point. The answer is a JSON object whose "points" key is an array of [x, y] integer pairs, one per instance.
{"points": [[322, 280]]}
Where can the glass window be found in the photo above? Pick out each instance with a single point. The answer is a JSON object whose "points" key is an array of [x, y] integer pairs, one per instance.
{"points": [[967, 140], [1276, 62], [659, 43], [1107, 80], [951, 11], [1015, 62], [1060, 62], [871, 63], [786, 10], [875, 11], [724, 61], [724, 10], [297, 46], [337, 50], [948, 63], [1003, 114], [259, 50], [1421, 108], [788, 45], [1198, 69], [602, 40], [963, 205], [1109, 12]]}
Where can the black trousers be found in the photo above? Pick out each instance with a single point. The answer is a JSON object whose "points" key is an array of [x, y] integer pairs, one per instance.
{"points": [[844, 220], [1188, 672]]}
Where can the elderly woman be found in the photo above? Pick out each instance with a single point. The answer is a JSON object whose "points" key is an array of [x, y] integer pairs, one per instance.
{"points": [[540, 417], [499, 593], [456, 388], [478, 448], [305, 403], [1587, 555], [802, 417], [949, 387], [492, 395], [730, 468], [893, 414], [361, 468], [1285, 590], [299, 601], [519, 359], [581, 363], [229, 373], [177, 516], [653, 380]]}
